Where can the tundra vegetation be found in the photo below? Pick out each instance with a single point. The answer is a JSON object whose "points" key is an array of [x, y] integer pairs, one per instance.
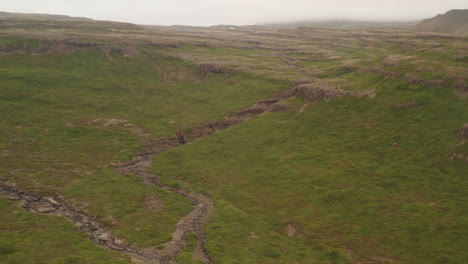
{"points": [[329, 145]]}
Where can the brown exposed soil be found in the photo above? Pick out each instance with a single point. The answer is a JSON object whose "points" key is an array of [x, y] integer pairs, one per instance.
{"points": [[319, 91], [459, 156], [216, 68], [281, 107], [407, 105], [293, 230], [375, 69]]}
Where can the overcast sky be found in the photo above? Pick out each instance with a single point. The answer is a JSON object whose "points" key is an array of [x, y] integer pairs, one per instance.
{"points": [[212, 12]]}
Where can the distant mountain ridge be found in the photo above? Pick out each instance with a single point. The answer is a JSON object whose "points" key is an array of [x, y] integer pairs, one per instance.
{"points": [[454, 22], [344, 24], [40, 16], [28, 21]]}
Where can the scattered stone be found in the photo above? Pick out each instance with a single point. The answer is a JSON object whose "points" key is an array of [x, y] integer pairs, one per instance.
{"points": [[51, 200], [253, 235], [113, 121], [104, 237], [45, 209], [291, 230], [104, 122]]}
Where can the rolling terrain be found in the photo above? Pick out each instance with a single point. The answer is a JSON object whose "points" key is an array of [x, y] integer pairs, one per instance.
{"points": [[122, 143]]}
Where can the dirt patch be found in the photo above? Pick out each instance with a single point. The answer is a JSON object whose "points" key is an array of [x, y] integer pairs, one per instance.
{"points": [[407, 105], [165, 45], [292, 230], [463, 133], [253, 235], [173, 74], [382, 259], [155, 204], [348, 252], [378, 70], [312, 92], [107, 122], [281, 107], [460, 83], [413, 79], [216, 68], [140, 133], [390, 61], [459, 156], [316, 92], [394, 60]]}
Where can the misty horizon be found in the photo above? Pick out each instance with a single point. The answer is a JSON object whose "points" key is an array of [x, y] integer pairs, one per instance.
{"points": [[241, 12]]}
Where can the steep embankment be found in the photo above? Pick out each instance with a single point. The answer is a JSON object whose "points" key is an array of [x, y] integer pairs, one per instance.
{"points": [[454, 22]]}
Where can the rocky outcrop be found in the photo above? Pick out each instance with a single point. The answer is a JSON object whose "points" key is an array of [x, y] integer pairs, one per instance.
{"points": [[318, 91]]}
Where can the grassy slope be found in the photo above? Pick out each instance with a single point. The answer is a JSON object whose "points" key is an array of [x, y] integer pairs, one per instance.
{"points": [[331, 172], [32, 239], [50, 143]]}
